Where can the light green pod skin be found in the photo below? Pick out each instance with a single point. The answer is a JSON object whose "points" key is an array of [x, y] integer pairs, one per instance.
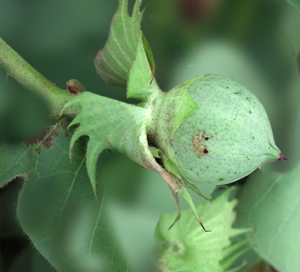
{"points": [[227, 136]]}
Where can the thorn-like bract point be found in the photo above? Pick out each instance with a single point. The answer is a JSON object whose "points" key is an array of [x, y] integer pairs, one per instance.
{"points": [[281, 157]]}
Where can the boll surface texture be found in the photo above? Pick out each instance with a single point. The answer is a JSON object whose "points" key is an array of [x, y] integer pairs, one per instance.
{"points": [[226, 137]]}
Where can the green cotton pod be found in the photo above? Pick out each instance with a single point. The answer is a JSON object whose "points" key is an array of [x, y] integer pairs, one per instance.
{"points": [[226, 137]]}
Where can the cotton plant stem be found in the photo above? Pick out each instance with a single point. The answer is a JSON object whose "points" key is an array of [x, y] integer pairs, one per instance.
{"points": [[32, 80]]}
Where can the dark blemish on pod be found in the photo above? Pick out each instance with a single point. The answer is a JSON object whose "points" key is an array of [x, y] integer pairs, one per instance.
{"points": [[221, 179], [199, 146], [250, 111]]}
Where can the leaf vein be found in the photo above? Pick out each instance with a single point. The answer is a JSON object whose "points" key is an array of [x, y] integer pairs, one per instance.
{"points": [[120, 48], [117, 61], [97, 221], [112, 77], [107, 63], [124, 25], [69, 192]]}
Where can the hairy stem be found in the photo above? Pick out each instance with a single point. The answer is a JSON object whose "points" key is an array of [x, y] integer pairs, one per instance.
{"points": [[32, 80]]}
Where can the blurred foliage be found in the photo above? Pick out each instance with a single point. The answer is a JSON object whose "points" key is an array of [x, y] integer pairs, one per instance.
{"points": [[179, 249], [270, 202], [22, 114], [56, 209], [295, 4], [254, 42]]}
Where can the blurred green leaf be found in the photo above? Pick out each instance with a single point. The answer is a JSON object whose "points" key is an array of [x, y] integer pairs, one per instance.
{"points": [[30, 260], [57, 208], [298, 57], [186, 247], [270, 203], [22, 113], [114, 61], [9, 227], [232, 253], [295, 4]]}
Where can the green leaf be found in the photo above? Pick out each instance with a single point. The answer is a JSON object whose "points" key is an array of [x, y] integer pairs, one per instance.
{"points": [[57, 208], [186, 247], [270, 203], [114, 61], [295, 4]]}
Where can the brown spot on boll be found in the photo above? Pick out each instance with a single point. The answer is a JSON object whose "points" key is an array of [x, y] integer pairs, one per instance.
{"points": [[198, 145]]}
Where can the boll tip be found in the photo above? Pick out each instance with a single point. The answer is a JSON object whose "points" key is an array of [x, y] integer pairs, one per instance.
{"points": [[281, 157]]}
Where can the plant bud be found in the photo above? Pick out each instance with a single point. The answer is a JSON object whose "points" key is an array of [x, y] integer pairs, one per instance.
{"points": [[226, 137]]}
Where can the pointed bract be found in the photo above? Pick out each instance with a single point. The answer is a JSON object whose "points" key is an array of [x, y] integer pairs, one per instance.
{"points": [[109, 124]]}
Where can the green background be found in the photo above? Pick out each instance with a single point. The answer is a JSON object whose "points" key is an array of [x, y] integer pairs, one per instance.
{"points": [[253, 42]]}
